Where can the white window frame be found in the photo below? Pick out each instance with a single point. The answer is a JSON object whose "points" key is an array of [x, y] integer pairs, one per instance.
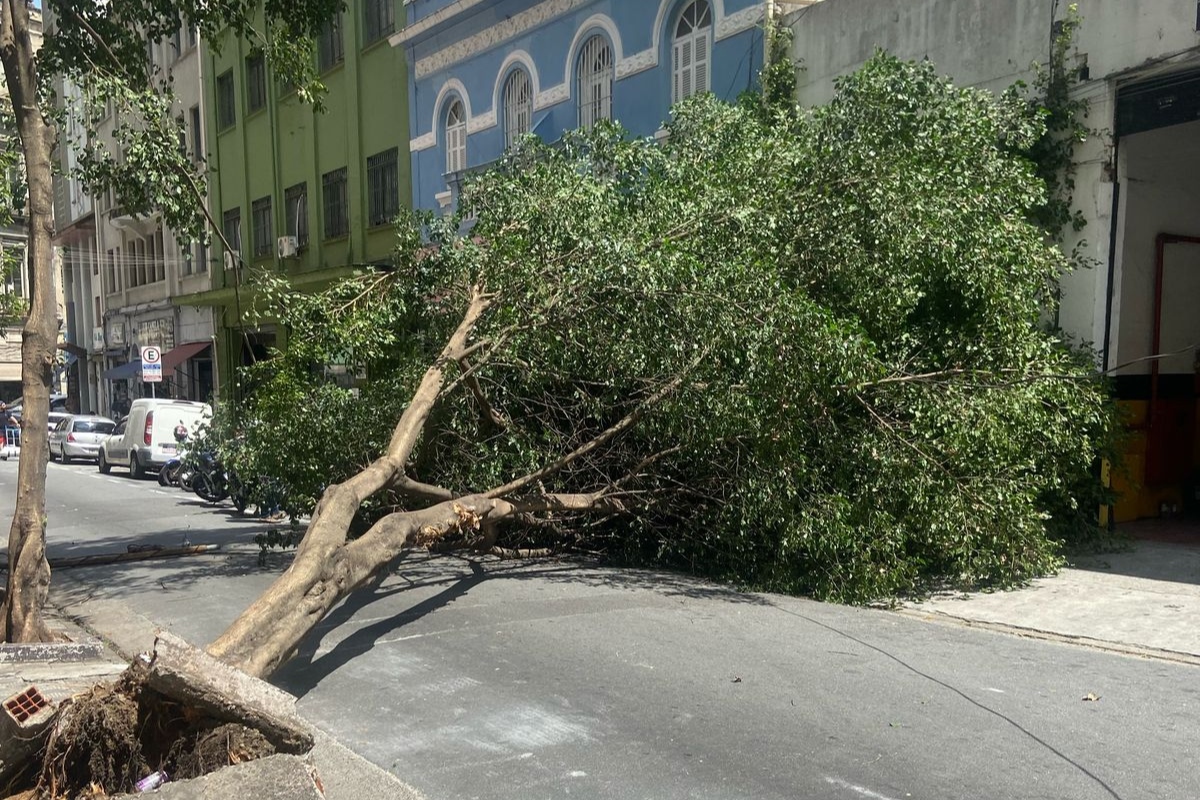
{"points": [[518, 106], [456, 137], [691, 51], [594, 68]]}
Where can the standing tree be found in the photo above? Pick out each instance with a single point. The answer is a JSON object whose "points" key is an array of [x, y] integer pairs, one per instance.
{"points": [[100, 48], [800, 351]]}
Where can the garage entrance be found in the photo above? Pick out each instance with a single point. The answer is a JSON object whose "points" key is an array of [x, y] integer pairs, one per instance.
{"points": [[1155, 320]]}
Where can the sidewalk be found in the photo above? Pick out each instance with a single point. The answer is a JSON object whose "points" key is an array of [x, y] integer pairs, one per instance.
{"points": [[62, 670], [1143, 602]]}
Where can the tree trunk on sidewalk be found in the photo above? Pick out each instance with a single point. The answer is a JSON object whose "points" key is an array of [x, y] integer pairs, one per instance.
{"points": [[28, 570]]}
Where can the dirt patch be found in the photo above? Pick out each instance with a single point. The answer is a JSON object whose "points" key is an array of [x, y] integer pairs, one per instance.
{"points": [[106, 740]]}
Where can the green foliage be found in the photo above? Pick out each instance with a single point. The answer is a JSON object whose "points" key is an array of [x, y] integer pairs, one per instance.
{"points": [[1064, 117], [777, 78], [849, 298]]}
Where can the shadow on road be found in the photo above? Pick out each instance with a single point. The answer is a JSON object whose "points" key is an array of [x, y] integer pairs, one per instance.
{"points": [[306, 671]]}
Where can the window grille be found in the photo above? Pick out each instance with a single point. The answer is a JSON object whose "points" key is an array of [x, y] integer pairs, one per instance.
{"points": [[383, 187], [197, 125], [518, 106], [264, 235], [231, 227], [295, 206], [690, 51], [329, 44], [226, 101], [256, 83], [595, 71], [381, 19], [456, 138], [335, 201]]}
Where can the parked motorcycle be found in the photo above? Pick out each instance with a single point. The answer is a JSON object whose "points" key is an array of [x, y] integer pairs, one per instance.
{"points": [[211, 482]]}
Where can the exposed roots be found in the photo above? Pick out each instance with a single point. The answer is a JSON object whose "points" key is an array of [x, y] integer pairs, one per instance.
{"points": [[104, 741]]}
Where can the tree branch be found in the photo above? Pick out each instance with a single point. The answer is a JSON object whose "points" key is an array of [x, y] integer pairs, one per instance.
{"points": [[624, 424]]}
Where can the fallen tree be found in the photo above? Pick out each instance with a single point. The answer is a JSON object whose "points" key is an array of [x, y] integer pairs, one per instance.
{"points": [[802, 351]]}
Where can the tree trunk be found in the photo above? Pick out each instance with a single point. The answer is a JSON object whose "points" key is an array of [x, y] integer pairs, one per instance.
{"points": [[28, 570]]}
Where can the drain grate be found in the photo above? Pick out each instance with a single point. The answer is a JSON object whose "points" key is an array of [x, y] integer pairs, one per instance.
{"points": [[24, 705]]}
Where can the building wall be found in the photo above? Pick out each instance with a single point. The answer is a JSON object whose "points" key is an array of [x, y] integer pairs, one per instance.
{"points": [[287, 143], [470, 54], [134, 316]]}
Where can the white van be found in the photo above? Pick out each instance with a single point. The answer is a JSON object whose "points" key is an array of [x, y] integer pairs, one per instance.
{"points": [[145, 440]]}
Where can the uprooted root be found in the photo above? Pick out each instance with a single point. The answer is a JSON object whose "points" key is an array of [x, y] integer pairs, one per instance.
{"points": [[107, 739]]}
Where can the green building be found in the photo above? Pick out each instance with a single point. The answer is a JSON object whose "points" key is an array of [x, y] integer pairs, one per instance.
{"points": [[309, 193]]}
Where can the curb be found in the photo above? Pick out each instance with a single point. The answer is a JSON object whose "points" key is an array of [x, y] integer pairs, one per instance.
{"points": [[52, 652], [1120, 648]]}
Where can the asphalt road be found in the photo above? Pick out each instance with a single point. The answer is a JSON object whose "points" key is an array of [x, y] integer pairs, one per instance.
{"points": [[550, 680]]}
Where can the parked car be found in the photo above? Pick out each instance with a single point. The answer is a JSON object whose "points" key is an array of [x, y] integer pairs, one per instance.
{"points": [[55, 418], [79, 436], [58, 402], [145, 439]]}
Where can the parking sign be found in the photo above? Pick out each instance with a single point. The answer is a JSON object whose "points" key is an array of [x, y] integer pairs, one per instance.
{"points": [[151, 364]]}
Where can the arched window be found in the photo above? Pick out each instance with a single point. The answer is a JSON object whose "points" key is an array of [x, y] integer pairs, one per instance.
{"points": [[518, 106], [690, 51], [456, 138], [595, 70]]}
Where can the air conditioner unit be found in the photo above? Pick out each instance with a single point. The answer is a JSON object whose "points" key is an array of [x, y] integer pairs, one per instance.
{"points": [[286, 246], [232, 259]]}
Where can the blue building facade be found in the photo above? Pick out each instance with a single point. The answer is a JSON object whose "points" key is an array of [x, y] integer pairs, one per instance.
{"points": [[486, 71]]}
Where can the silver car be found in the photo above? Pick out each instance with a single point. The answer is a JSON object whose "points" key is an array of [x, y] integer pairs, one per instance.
{"points": [[79, 436]]}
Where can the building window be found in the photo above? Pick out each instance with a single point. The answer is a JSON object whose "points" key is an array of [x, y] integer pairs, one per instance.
{"points": [[226, 102], [690, 51], [264, 236], [381, 19], [231, 226], [295, 207], [198, 263], [256, 83], [15, 268], [197, 132], [456, 138], [334, 199], [595, 70], [193, 36], [160, 255], [329, 44], [383, 187], [518, 106]]}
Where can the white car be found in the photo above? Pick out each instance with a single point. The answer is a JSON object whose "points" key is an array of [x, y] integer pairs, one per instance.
{"points": [[145, 440], [79, 436]]}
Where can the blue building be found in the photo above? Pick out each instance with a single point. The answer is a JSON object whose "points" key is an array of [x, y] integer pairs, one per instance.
{"points": [[487, 71]]}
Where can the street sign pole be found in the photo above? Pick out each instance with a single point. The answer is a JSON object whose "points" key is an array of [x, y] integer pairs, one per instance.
{"points": [[152, 367]]}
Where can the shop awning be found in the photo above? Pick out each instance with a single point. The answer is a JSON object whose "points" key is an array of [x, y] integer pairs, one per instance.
{"points": [[124, 372], [173, 358]]}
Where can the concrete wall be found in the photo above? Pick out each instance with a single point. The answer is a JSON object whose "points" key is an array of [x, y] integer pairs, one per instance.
{"points": [[472, 54]]}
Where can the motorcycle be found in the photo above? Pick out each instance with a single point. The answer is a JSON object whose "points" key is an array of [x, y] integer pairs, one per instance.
{"points": [[177, 471], [211, 482]]}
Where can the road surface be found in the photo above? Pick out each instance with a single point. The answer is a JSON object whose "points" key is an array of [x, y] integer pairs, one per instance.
{"points": [[550, 680]]}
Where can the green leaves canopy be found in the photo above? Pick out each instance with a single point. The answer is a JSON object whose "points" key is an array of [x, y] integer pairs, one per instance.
{"points": [[852, 297]]}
